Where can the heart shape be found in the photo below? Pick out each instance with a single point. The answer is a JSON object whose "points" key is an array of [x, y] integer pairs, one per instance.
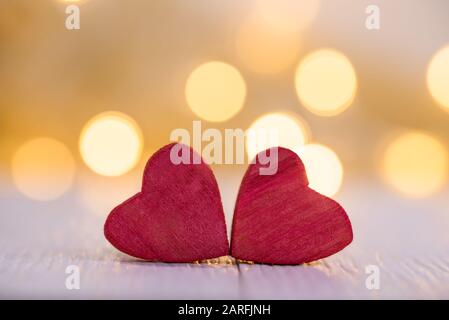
{"points": [[177, 217], [278, 219]]}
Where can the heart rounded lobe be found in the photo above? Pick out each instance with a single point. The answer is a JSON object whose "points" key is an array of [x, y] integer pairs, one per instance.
{"points": [[178, 215], [278, 219]]}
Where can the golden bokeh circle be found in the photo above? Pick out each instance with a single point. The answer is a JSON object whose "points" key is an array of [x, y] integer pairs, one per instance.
{"points": [[415, 164], [290, 132], [324, 168], [326, 82], [438, 77], [111, 143], [215, 91], [265, 50], [43, 168]]}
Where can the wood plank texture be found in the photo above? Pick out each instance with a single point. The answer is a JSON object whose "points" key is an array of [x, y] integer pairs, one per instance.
{"points": [[407, 240]]}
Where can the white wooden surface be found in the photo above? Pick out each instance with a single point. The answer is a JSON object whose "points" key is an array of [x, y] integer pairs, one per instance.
{"points": [[407, 239]]}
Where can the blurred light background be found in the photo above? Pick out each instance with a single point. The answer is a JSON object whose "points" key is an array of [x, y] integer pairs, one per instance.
{"points": [[81, 111]]}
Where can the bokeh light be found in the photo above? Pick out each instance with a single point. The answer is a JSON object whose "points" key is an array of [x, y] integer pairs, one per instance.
{"points": [[215, 91], [264, 49], [111, 143], [73, 1], [415, 164], [291, 132], [43, 169], [438, 77], [323, 167], [287, 15], [326, 82]]}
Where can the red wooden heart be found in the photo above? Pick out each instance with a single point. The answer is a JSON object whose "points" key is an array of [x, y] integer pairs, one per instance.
{"points": [[278, 219], [177, 217]]}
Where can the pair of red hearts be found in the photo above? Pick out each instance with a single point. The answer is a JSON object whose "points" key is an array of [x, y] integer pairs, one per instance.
{"points": [[178, 216]]}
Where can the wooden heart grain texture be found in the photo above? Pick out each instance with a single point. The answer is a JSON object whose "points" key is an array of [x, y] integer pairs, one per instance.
{"points": [[177, 217], [278, 219]]}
